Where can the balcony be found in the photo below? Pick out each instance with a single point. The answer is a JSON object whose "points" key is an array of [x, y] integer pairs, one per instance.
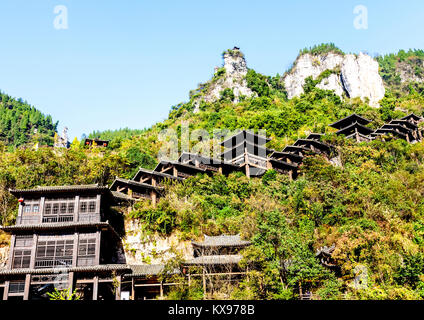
{"points": [[53, 263], [58, 218]]}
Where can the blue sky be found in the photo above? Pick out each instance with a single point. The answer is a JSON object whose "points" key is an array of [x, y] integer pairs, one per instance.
{"points": [[125, 63]]}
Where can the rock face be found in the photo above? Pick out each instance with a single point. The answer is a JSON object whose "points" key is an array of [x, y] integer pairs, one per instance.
{"points": [[359, 76], [4, 256], [407, 72], [234, 78], [154, 250]]}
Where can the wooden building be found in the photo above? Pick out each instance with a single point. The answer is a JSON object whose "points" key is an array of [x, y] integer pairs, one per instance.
{"points": [[131, 189], [64, 237], [216, 258], [96, 142], [354, 127]]}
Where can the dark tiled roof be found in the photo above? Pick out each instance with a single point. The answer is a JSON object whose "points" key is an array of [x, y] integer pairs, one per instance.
{"points": [[58, 225], [215, 259], [351, 128], [405, 123], [412, 116], [121, 181], [155, 173], [248, 135], [140, 270], [222, 241], [342, 123], [122, 196], [98, 268], [61, 189], [178, 165], [318, 144]]}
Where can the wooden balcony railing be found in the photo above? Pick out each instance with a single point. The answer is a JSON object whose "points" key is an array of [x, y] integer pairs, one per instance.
{"points": [[53, 263]]}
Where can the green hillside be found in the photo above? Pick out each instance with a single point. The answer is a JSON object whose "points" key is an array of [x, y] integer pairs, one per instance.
{"points": [[370, 207], [21, 123]]}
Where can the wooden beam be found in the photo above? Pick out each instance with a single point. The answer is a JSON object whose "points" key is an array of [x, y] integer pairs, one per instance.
{"points": [[95, 288], [27, 286], [118, 289]]}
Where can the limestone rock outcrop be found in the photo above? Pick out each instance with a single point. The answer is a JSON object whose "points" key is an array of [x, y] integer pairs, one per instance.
{"points": [[233, 78], [355, 75]]}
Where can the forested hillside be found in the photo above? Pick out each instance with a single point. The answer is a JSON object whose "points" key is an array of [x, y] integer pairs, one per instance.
{"points": [[370, 207], [21, 123]]}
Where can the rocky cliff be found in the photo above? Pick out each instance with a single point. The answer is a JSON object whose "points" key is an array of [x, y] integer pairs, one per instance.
{"points": [[232, 75], [357, 76]]}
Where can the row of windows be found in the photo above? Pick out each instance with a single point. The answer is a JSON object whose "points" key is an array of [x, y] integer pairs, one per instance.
{"points": [[52, 250], [55, 248], [32, 208], [69, 208]]}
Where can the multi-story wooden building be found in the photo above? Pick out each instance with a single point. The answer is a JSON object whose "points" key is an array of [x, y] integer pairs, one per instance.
{"points": [[64, 237]]}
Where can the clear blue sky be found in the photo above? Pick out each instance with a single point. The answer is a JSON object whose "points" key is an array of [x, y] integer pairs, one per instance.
{"points": [[125, 63]]}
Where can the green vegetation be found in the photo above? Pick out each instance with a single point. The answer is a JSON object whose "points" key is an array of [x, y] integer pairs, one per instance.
{"points": [[370, 207], [21, 123], [322, 49], [410, 62]]}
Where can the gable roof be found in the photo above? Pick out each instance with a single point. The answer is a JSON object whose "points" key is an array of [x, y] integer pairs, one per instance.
{"points": [[342, 123], [247, 135], [351, 129]]}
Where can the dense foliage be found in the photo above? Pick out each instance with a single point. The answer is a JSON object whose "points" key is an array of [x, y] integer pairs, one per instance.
{"points": [[370, 206], [21, 123]]}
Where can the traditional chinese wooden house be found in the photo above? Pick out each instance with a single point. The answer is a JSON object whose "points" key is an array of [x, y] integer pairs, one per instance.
{"points": [[207, 163], [246, 149], [354, 127], [131, 189], [96, 142], [397, 130], [145, 282], [64, 237], [216, 257], [413, 118]]}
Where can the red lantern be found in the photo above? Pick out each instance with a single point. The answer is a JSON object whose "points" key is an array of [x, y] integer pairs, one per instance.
{"points": [[105, 144], [87, 143], [21, 200]]}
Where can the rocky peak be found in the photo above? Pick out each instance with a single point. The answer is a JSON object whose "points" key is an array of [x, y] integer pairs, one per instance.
{"points": [[232, 75], [235, 63], [357, 76]]}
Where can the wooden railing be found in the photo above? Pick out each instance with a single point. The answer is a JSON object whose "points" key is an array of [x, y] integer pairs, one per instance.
{"points": [[53, 263], [58, 218]]}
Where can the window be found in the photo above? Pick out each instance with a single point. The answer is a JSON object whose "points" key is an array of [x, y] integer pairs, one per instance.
{"points": [[87, 247], [83, 207], [16, 287], [55, 248], [23, 241], [63, 207], [92, 207], [55, 208], [71, 207], [35, 208], [21, 259], [48, 209], [27, 208]]}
